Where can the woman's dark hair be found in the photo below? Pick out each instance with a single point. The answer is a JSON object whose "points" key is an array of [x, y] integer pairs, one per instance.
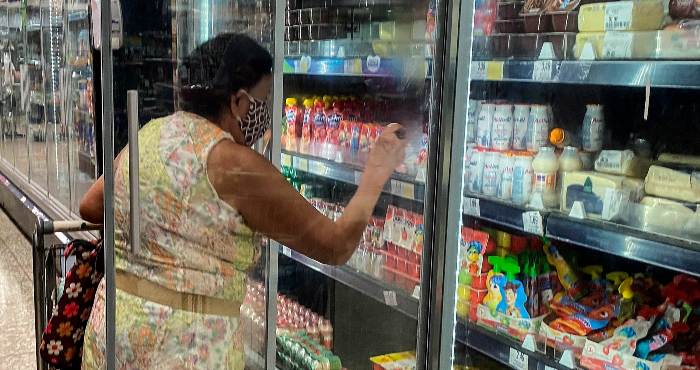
{"points": [[218, 69]]}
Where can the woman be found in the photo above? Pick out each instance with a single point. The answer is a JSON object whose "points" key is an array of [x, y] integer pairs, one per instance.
{"points": [[205, 198]]}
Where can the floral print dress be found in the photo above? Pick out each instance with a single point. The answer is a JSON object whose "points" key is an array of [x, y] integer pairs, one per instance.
{"points": [[191, 241]]}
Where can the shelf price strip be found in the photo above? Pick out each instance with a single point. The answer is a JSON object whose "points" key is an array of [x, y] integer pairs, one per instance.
{"points": [[403, 189], [471, 207], [542, 70], [518, 360], [532, 222]]}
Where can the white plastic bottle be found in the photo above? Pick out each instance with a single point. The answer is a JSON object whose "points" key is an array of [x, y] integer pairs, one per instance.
{"points": [[476, 170], [473, 108], [521, 114], [467, 164], [502, 127], [483, 125], [538, 128], [522, 177], [569, 161], [545, 165], [505, 175], [593, 130], [490, 181]]}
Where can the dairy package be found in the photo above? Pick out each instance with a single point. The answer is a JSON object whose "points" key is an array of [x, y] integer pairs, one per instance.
{"points": [[666, 44], [645, 15], [681, 185], [622, 162], [603, 195]]}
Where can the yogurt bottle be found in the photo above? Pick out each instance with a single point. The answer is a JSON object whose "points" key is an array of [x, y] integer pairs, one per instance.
{"points": [[593, 130], [473, 109], [490, 176], [521, 114], [505, 175], [476, 169], [502, 127], [569, 161], [467, 164], [538, 128], [545, 165], [586, 160], [522, 177], [483, 125]]}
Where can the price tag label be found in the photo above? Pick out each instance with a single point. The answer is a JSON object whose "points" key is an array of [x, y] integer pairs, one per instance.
{"points": [[295, 162], [303, 164], [286, 160], [543, 70], [532, 222], [495, 71], [286, 251], [479, 70], [315, 167], [548, 368], [396, 187], [408, 190], [390, 298], [471, 207], [517, 359], [617, 45], [358, 177], [618, 16]]}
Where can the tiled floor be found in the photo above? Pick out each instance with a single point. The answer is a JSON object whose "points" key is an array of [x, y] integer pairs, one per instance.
{"points": [[17, 344]]}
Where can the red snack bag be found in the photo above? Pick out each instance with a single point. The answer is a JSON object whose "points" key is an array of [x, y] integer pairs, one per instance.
{"points": [[365, 137]]}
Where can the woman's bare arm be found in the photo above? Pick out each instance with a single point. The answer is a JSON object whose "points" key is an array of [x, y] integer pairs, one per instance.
{"points": [[270, 205], [92, 206]]}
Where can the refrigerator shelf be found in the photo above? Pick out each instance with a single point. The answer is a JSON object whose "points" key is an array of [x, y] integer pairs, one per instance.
{"points": [[365, 284], [620, 240], [371, 66], [404, 186], [501, 348], [674, 74]]}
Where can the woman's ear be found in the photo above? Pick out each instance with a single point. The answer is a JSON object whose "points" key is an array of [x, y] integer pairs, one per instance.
{"points": [[239, 104]]}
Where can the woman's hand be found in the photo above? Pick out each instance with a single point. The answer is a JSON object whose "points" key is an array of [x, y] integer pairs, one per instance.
{"points": [[388, 151]]}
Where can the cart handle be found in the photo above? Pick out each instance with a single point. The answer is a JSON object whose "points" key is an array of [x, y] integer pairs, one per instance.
{"points": [[68, 226]]}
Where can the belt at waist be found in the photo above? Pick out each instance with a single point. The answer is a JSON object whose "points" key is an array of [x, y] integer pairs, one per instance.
{"points": [[156, 293]]}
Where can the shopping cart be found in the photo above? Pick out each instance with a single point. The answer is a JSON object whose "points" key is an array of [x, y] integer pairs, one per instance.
{"points": [[50, 267]]}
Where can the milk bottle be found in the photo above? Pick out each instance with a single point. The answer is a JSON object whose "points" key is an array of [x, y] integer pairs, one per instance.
{"points": [[545, 165]]}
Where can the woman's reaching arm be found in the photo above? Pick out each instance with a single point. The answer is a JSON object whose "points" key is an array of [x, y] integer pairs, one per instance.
{"points": [[270, 205]]}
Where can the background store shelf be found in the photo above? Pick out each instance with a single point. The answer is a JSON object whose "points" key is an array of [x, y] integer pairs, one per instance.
{"points": [[378, 67], [365, 284], [619, 240], [499, 348], [399, 185], [677, 74]]}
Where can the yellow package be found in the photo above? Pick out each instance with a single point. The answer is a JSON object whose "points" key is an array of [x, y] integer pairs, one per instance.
{"points": [[643, 15]]}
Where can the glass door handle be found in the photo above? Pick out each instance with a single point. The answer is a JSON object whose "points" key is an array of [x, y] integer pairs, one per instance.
{"points": [[132, 109]]}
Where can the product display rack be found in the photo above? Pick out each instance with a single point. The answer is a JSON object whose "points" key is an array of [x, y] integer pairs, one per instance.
{"points": [[631, 73], [365, 284]]}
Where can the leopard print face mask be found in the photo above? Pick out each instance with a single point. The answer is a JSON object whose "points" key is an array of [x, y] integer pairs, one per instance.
{"points": [[256, 121]]}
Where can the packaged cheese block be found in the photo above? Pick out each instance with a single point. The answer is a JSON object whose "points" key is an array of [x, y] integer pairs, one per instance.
{"points": [[680, 159], [622, 162], [673, 184], [643, 15], [669, 217], [603, 196], [670, 44]]}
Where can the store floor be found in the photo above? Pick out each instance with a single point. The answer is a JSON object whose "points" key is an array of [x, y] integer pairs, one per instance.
{"points": [[17, 344]]}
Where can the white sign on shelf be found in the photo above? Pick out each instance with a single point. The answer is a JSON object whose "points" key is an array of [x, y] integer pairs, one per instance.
{"points": [[304, 164], [618, 16], [518, 360], [480, 70], [532, 222], [471, 207], [390, 298], [542, 70]]}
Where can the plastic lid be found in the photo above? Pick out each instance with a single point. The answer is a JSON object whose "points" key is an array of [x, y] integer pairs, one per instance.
{"points": [[308, 103], [503, 239], [557, 136], [319, 104], [497, 262], [626, 288], [291, 101], [617, 277], [510, 269], [594, 270]]}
